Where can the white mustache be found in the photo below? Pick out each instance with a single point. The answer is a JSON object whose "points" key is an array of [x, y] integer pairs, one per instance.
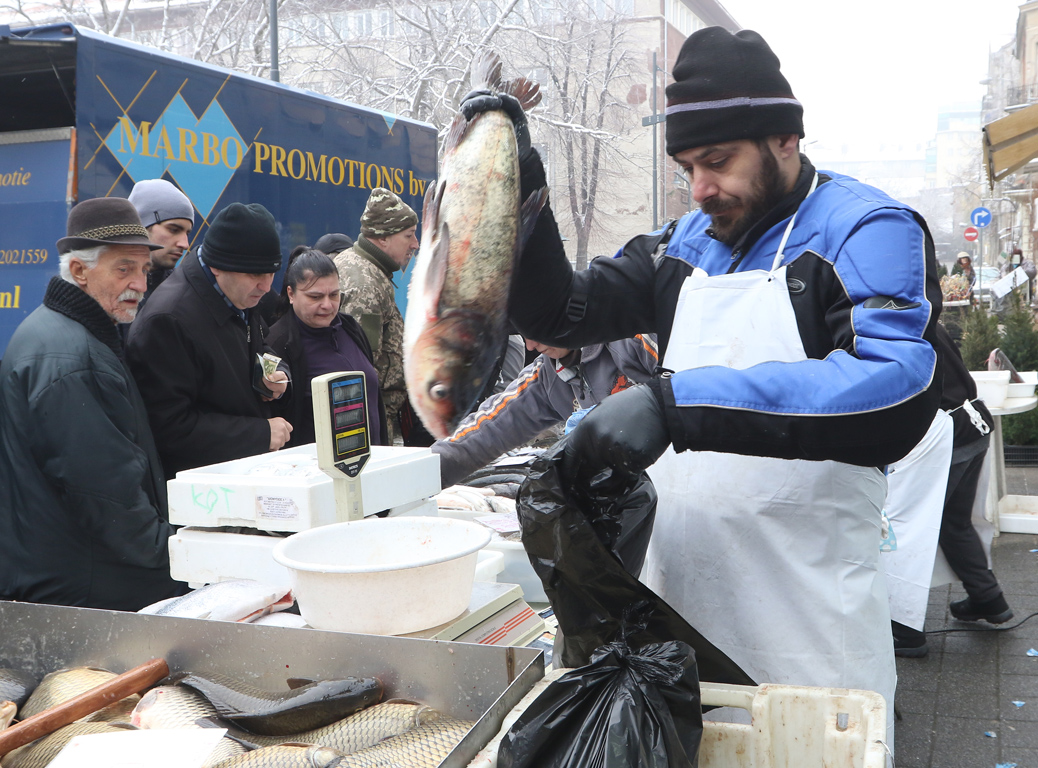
{"points": [[131, 295]]}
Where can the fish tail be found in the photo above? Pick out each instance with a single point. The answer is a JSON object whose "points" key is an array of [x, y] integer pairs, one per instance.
{"points": [[486, 71], [526, 92]]}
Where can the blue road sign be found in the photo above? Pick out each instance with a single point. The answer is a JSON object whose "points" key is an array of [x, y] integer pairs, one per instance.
{"points": [[980, 217]]}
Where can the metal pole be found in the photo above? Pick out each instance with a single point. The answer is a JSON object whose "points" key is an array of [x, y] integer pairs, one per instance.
{"points": [[655, 152], [275, 73]]}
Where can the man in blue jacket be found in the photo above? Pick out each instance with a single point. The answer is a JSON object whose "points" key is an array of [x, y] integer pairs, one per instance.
{"points": [[796, 309]]}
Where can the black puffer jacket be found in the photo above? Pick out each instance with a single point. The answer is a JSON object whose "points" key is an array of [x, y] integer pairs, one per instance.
{"points": [[298, 410], [83, 517], [192, 356]]}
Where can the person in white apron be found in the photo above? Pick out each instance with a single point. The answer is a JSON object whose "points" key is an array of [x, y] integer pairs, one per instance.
{"points": [[912, 512], [795, 312]]}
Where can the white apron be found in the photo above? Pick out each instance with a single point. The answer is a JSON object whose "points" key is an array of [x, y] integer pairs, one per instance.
{"points": [[776, 562], [915, 504]]}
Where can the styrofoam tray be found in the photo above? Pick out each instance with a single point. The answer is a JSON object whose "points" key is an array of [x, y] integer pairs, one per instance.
{"points": [[285, 490]]}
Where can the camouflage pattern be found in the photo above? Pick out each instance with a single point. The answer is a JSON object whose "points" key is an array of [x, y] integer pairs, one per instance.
{"points": [[386, 214], [368, 295]]}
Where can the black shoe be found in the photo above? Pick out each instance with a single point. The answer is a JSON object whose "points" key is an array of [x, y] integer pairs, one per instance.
{"points": [[908, 643], [994, 611]]}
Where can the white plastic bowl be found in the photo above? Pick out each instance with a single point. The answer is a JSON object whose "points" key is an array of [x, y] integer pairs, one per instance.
{"points": [[992, 387], [1026, 389], [380, 576]]}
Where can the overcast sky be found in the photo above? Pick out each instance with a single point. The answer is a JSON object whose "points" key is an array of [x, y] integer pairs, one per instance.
{"points": [[879, 70]]}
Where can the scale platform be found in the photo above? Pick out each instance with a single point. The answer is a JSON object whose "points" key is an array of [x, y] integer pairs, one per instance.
{"points": [[497, 615]]}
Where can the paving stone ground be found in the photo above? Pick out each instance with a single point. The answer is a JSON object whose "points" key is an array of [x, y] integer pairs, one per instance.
{"points": [[964, 689]]}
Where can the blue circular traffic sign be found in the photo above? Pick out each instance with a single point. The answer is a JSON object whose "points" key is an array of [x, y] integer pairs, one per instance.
{"points": [[980, 217]]}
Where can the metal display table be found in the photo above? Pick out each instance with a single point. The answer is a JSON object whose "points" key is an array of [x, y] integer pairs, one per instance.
{"points": [[1009, 513]]}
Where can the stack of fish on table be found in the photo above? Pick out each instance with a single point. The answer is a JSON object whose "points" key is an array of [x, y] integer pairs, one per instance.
{"points": [[315, 724]]}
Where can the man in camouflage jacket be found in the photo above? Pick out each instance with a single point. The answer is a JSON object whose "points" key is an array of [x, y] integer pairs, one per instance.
{"points": [[387, 240]]}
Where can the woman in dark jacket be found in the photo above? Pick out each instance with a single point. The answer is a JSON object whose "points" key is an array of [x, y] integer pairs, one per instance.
{"points": [[315, 338]]}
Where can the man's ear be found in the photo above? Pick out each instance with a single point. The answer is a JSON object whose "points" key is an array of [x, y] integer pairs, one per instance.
{"points": [[786, 145], [78, 271]]}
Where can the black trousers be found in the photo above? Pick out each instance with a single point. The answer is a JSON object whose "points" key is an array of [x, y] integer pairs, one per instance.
{"points": [[958, 539]]}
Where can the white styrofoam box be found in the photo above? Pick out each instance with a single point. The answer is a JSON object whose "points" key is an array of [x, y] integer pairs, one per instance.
{"points": [[1024, 389], [200, 556], [489, 564], [517, 569], [285, 490], [992, 387]]}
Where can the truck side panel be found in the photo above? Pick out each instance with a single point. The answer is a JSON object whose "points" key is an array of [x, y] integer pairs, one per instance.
{"points": [[224, 137], [33, 183]]}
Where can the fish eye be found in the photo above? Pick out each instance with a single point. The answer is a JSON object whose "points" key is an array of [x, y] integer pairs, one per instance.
{"points": [[439, 391]]}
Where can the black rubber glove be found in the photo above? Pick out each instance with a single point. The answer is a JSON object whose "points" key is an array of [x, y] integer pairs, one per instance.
{"points": [[617, 441], [483, 100]]}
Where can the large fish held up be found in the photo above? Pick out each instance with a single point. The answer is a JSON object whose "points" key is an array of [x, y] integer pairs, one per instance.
{"points": [[473, 229]]}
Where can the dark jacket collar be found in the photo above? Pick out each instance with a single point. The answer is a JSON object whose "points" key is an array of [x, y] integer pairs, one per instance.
{"points": [[375, 255], [76, 304], [214, 301], [786, 207]]}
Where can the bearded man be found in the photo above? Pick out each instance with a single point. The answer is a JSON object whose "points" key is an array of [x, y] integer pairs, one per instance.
{"points": [[795, 315], [83, 518]]}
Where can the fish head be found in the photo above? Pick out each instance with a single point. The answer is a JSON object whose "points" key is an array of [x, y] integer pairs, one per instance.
{"points": [[447, 369]]}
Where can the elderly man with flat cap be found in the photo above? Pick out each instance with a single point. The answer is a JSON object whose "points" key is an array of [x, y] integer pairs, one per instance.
{"points": [[83, 518], [387, 240], [194, 349], [795, 312]]}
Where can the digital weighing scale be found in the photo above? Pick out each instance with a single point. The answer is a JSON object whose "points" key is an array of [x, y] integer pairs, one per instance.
{"points": [[232, 509]]}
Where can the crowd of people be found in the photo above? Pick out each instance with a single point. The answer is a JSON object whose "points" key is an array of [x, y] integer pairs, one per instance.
{"points": [[764, 358]]}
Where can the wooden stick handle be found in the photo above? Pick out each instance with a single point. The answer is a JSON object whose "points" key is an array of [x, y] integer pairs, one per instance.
{"points": [[60, 715]]}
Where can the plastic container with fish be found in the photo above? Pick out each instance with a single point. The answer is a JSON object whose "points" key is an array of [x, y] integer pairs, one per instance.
{"points": [[383, 576]]}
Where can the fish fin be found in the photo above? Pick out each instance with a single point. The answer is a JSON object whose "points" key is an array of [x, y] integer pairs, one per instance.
{"points": [[431, 207], [528, 215], [437, 274], [486, 71], [526, 92], [298, 682], [234, 734], [455, 134]]}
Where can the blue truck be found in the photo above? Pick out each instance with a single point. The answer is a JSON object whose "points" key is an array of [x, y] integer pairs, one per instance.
{"points": [[85, 115]]}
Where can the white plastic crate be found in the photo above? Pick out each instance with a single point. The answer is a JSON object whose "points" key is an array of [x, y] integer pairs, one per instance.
{"points": [[285, 490], [795, 726]]}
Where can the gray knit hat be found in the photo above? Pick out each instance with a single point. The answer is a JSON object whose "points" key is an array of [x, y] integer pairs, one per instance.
{"points": [[157, 200], [386, 214]]}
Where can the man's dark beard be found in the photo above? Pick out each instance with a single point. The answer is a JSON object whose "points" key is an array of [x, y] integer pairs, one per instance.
{"points": [[768, 190]]}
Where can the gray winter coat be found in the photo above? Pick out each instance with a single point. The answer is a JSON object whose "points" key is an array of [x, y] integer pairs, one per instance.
{"points": [[544, 394]]}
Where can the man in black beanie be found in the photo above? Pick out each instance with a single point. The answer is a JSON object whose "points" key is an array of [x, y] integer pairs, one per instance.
{"points": [[795, 312], [194, 347]]}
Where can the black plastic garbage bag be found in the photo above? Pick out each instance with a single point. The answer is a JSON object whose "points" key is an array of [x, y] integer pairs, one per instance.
{"points": [[624, 709], [585, 553]]}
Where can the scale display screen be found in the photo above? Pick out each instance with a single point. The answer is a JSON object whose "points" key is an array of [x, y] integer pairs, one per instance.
{"points": [[349, 418], [341, 421], [347, 392]]}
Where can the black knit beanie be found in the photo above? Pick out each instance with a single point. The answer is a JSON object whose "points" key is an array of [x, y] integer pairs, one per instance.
{"points": [[728, 87], [243, 238]]}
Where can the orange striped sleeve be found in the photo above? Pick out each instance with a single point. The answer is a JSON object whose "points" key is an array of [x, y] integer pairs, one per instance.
{"points": [[498, 408], [649, 347]]}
